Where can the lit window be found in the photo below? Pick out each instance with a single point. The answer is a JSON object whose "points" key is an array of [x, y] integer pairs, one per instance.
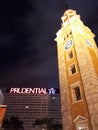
{"points": [[26, 107]]}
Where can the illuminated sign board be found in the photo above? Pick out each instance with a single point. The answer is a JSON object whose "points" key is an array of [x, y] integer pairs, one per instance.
{"points": [[32, 90]]}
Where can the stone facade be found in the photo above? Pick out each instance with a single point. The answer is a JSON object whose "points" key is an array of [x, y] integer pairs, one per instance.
{"points": [[78, 73]]}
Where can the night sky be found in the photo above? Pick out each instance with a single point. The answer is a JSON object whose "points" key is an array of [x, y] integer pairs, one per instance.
{"points": [[28, 55]]}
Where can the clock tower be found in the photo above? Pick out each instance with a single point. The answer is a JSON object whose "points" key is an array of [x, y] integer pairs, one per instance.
{"points": [[78, 73]]}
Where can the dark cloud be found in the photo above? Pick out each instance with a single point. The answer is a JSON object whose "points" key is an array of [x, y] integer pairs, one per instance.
{"points": [[27, 31]]}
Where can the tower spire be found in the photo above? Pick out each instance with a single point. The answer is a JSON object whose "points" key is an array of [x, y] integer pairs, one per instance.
{"points": [[67, 5]]}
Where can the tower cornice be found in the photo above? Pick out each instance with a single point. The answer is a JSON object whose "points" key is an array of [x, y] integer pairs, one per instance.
{"points": [[71, 19]]}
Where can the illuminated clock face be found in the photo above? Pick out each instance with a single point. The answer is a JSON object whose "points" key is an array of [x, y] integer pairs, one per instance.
{"points": [[68, 45], [88, 43]]}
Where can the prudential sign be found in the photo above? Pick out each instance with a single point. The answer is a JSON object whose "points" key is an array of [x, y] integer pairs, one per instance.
{"points": [[32, 91]]}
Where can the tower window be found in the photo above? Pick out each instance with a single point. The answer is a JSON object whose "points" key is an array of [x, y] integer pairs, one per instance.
{"points": [[72, 69], [76, 94], [64, 38], [70, 32], [70, 55]]}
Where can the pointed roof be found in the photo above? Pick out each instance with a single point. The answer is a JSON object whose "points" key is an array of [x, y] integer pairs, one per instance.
{"points": [[80, 119]]}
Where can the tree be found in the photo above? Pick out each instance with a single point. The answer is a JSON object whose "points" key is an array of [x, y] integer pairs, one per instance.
{"points": [[38, 122], [6, 124], [49, 122], [12, 124], [17, 124]]}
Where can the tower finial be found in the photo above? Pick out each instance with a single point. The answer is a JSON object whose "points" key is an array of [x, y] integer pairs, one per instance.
{"points": [[68, 14], [67, 5]]}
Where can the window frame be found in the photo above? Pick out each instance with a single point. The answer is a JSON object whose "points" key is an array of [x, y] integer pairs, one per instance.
{"points": [[72, 86], [70, 69], [68, 55]]}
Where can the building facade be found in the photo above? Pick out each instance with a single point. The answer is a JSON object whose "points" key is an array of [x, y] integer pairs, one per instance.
{"points": [[78, 73], [30, 104], [1, 97], [2, 108], [2, 114]]}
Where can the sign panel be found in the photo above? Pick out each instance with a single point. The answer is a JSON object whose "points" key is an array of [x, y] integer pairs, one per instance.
{"points": [[31, 90]]}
